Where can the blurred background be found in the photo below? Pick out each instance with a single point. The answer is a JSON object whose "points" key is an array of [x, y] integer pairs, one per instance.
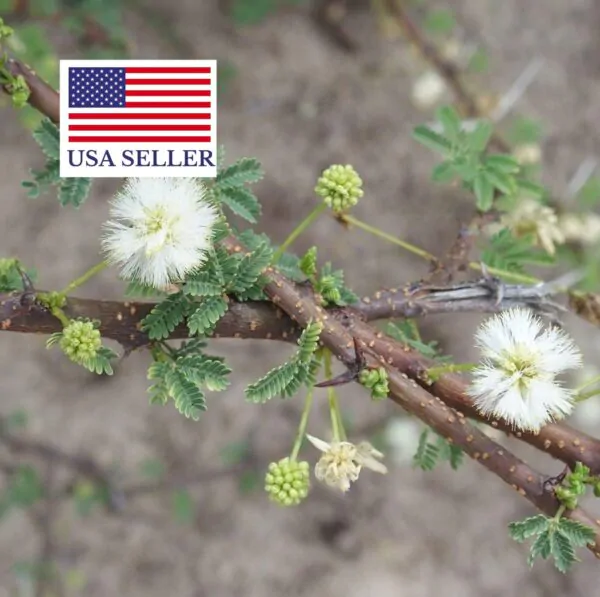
{"points": [[303, 84]]}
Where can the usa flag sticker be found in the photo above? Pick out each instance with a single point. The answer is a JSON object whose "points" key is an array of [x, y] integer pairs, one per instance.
{"points": [[141, 118]]}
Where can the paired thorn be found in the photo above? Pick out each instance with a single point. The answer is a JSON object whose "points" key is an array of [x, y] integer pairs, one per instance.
{"points": [[352, 373]]}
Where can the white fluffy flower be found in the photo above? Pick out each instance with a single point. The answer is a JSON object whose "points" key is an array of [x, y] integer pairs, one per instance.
{"points": [[516, 380], [342, 462], [160, 229]]}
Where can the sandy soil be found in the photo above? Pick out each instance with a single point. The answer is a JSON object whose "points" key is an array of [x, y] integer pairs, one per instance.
{"points": [[297, 103]]}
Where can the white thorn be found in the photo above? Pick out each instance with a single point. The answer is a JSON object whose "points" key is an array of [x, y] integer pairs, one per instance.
{"points": [[581, 176], [515, 93]]}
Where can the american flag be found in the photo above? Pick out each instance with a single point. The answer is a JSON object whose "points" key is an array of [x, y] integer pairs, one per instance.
{"points": [[140, 104]]}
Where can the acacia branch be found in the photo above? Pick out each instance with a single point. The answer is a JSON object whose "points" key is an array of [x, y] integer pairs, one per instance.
{"points": [[121, 320], [341, 329]]}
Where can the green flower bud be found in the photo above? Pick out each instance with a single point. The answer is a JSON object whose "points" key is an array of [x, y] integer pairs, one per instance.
{"points": [[368, 377], [567, 497], [380, 390], [287, 482], [80, 341], [597, 489], [340, 187]]}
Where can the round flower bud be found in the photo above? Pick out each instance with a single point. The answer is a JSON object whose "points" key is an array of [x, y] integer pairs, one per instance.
{"points": [[287, 482], [340, 187], [80, 341]]}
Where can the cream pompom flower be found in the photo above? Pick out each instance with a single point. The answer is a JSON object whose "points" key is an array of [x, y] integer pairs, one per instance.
{"points": [[531, 217], [160, 229], [342, 462], [516, 380]]}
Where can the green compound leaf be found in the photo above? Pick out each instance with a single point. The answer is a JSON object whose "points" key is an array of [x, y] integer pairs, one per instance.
{"points": [[189, 399], [245, 170], [308, 342], [524, 529], [73, 191], [241, 202], [165, 316], [250, 267], [273, 383], [202, 283], [204, 370], [287, 379], [206, 315], [579, 534], [48, 138], [427, 454]]}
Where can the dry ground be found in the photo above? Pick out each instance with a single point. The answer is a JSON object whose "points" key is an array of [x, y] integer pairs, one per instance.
{"points": [[298, 104]]}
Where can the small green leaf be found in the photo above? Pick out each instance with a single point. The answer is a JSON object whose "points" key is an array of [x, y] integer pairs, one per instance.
{"points": [[182, 506], [202, 284], [138, 290], [165, 316], [244, 171], [503, 163], [525, 130], [450, 120], [480, 136], [152, 468], [189, 399], [479, 62], [484, 192], [502, 182], [443, 172], [562, 551], [440, 21], [427, 454], [531, 188], [206, 315], [308, 263], [523, 529], [241, 202], [540, 547], [250, 12], [25, 487], [432, 140]]}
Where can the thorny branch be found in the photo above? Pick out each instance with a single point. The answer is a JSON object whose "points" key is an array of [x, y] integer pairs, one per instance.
{"points": [[439, 405]]}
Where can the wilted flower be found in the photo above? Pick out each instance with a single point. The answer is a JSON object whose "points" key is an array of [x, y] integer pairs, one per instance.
{"points": [[531, 217], [161, 229], [342, 462], [516, 380]]}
